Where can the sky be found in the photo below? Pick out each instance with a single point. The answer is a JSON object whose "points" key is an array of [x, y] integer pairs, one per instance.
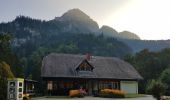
{"points": [[149, 19]]}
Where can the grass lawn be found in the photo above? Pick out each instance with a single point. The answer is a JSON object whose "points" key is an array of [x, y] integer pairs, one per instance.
{"points": [[134, 95], [59, 97], [126, 96]]}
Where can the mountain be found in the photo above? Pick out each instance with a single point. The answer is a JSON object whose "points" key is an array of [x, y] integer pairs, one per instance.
{"points": [[30, 35], [128, 35], [32, 39], [27, 30], [151, 45], [74, 32], [108, 31], [77, 21], [73, 21]]}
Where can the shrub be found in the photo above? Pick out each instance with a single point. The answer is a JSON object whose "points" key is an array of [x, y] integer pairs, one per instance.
{"points": [[166, 79], [111, 93], [5, 72], [156, 88], [76, 93]]}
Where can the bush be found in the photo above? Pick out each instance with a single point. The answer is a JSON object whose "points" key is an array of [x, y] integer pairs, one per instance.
{"points": [[76, 93], [156, 88], [111, 93], [5, 72], [166, 79]]}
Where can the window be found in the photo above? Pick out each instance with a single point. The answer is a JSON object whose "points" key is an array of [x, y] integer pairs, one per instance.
{"points": [[11, 90], [108, 85], [20, 84], [84, 66], [11, 96], [20, 95], [20, 89], [50, 85], [12, 84]]}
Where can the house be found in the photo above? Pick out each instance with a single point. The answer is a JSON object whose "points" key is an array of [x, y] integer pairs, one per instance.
{"points": [[19, 88], [62, 72]]}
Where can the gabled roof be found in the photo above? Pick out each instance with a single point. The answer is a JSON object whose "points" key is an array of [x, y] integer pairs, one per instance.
{"points": [[84, 61], [63, 65]]}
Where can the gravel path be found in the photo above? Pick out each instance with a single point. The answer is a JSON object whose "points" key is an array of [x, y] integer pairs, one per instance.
{"points": [[95, 98]]}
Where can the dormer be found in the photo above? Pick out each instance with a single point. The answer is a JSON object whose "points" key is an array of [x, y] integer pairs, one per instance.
{"points": [[84, 66]]}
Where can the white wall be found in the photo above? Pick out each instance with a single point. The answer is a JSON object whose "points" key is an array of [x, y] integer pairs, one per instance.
{"points": [[129, 86]]}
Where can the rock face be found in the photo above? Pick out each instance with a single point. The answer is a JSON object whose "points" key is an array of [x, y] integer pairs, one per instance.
{"points": [[75, 20], [108, 31], [128, 35]]}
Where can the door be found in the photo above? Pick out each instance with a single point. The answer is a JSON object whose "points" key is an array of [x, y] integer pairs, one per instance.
{"points": [[129, 86]]}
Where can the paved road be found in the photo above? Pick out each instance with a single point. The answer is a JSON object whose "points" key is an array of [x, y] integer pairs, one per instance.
{"points": [[96, 98]]}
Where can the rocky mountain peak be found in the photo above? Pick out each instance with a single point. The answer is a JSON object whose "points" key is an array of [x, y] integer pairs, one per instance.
{"points": [[108, 31], [129, 35], [78, 21], [75, 14]]}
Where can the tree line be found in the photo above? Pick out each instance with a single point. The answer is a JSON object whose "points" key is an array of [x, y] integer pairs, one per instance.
{"points": [[25, 60], [154, 67]]}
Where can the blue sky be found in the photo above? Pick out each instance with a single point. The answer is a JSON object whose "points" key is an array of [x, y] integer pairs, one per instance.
{"points": [[150, 19], [48, 9]]}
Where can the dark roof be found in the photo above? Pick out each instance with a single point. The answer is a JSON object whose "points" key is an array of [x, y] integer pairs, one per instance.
{"points": [[63, 65]]}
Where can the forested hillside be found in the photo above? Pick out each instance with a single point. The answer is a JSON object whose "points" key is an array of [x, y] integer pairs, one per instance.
{"points": [[152, 65], [152, 45], [25, 29], [9, 64], [32, 39], [31, 51], [73, 32]]}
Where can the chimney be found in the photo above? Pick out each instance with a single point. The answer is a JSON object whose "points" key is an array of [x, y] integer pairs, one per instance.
{"points": [[88, 56]]}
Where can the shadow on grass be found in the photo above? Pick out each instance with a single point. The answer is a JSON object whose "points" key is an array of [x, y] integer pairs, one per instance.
{"points": [[59, 97], [134, 95]]}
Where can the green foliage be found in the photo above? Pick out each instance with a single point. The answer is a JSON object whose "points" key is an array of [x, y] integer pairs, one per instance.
{"points": [[156, 88], [36, 59], [5, 50], [7, 59], [31, 34], [33, 39], [149, 64], [8, 56], [5, 72], [70, 48], [32, 51], [165, 78]]}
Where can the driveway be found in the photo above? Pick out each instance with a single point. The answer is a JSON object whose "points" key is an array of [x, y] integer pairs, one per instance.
{"points": [[95, 98]]}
